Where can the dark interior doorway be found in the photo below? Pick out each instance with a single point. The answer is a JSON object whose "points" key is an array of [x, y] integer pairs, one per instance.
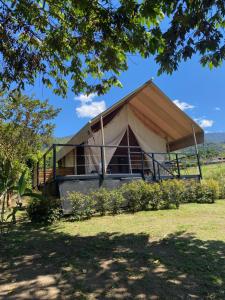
{"points": [[80, 161], [126, 160]]}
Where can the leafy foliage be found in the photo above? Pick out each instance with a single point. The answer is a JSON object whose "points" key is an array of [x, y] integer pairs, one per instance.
{"points": [[25, 125], [139, 195], [172, 193], [42, 210], [10, 186], [101, 198], [91, 39], [82, 206], [116, 202]]}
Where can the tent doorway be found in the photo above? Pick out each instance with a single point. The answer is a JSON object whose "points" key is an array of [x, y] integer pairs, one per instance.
{"points": [[126, 160]]}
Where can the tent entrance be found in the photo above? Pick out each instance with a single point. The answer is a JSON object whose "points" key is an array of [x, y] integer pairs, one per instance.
{"points": [[126, 160]]}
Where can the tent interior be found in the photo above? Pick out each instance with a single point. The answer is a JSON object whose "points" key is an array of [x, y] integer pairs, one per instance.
{"points": [[145, 120]]}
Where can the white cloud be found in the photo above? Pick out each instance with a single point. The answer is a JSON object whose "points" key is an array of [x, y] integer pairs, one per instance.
{"points": [[90, 110], [217, 108], [204, 123], [183, 105], [85, 98]]}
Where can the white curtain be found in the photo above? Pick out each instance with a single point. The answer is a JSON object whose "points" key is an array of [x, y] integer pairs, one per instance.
{"points": [[113, 134]]}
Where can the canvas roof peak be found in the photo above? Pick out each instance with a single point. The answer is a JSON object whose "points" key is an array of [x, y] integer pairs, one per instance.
{"points": [[156, 111]]}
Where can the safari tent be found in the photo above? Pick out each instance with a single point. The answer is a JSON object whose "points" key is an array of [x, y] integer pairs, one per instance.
{"points": [[139, 135]]}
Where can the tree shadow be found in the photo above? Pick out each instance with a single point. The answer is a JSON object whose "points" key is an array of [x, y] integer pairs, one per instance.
{"points": [[40, 263]]}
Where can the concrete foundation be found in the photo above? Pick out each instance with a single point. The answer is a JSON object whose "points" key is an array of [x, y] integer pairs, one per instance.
{"points": [[87, 186]]}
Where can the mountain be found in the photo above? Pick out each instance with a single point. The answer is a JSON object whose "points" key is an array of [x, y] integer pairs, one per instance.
{"points": [[61, 140], [215, 137]]}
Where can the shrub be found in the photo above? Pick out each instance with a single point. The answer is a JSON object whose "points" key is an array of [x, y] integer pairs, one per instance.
{"points": [[44, 210], [82, 206], [214, 186], [100, 199], [150, 196], [115, 202], [132, 194], [207, 192], [172, 193]]}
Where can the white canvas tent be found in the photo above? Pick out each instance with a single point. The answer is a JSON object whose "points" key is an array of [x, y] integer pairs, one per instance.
{"points": [[156, 122]]}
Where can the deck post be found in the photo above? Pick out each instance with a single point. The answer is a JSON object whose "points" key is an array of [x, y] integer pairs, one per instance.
{"points": [[44, 160], [197, 152], [103, 161], [142, 165], [199, 166], [178, 165], [54, 162], [128, 144], [103, 141], [159, 172], [153, 165]]}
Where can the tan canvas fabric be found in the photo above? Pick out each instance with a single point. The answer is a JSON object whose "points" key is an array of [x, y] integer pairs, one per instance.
{"points": [[114, 132], [155, 120]]}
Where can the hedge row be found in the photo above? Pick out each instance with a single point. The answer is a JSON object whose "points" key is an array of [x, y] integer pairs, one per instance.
{"points": [[139, 195]]}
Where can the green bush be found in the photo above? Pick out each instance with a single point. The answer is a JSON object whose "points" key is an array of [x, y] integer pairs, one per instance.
{"points": [[139, 195], [44, 210], [100, 199], [205, 192], [82, 206], [150, 196], [116, 201], [189, 193], [132, 193], [172, 193]]}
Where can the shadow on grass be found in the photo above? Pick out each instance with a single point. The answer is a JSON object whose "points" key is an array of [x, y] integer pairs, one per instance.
{"points": [[40, 263]]}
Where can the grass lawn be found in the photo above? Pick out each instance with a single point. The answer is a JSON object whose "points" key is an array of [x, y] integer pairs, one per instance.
{"points": [[171, 254], [214, 171]]}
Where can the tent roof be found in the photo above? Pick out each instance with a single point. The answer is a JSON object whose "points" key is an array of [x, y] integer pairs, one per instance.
{"points": [[156, 111]]}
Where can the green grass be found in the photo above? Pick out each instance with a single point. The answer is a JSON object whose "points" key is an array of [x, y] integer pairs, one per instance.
{"points": [[170, 254], [214, 171]]}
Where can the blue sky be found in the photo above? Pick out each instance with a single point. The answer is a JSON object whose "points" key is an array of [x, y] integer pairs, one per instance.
{"points": [[200, 91]]}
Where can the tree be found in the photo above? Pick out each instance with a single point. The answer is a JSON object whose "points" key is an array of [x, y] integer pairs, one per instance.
{"points": [[88, 41], [25, 126]]}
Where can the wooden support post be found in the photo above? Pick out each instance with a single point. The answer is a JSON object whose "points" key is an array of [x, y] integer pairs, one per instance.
{"points": [[197, 152], [142, 164], [102, 162], [128, 144], [178, 165], [103, 144], [168, 148], [54, 162], [153, 165], [159, 172]]}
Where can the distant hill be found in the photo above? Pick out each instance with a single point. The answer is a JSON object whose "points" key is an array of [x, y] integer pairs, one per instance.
{"points": [[61, 140], [215, 137]]}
